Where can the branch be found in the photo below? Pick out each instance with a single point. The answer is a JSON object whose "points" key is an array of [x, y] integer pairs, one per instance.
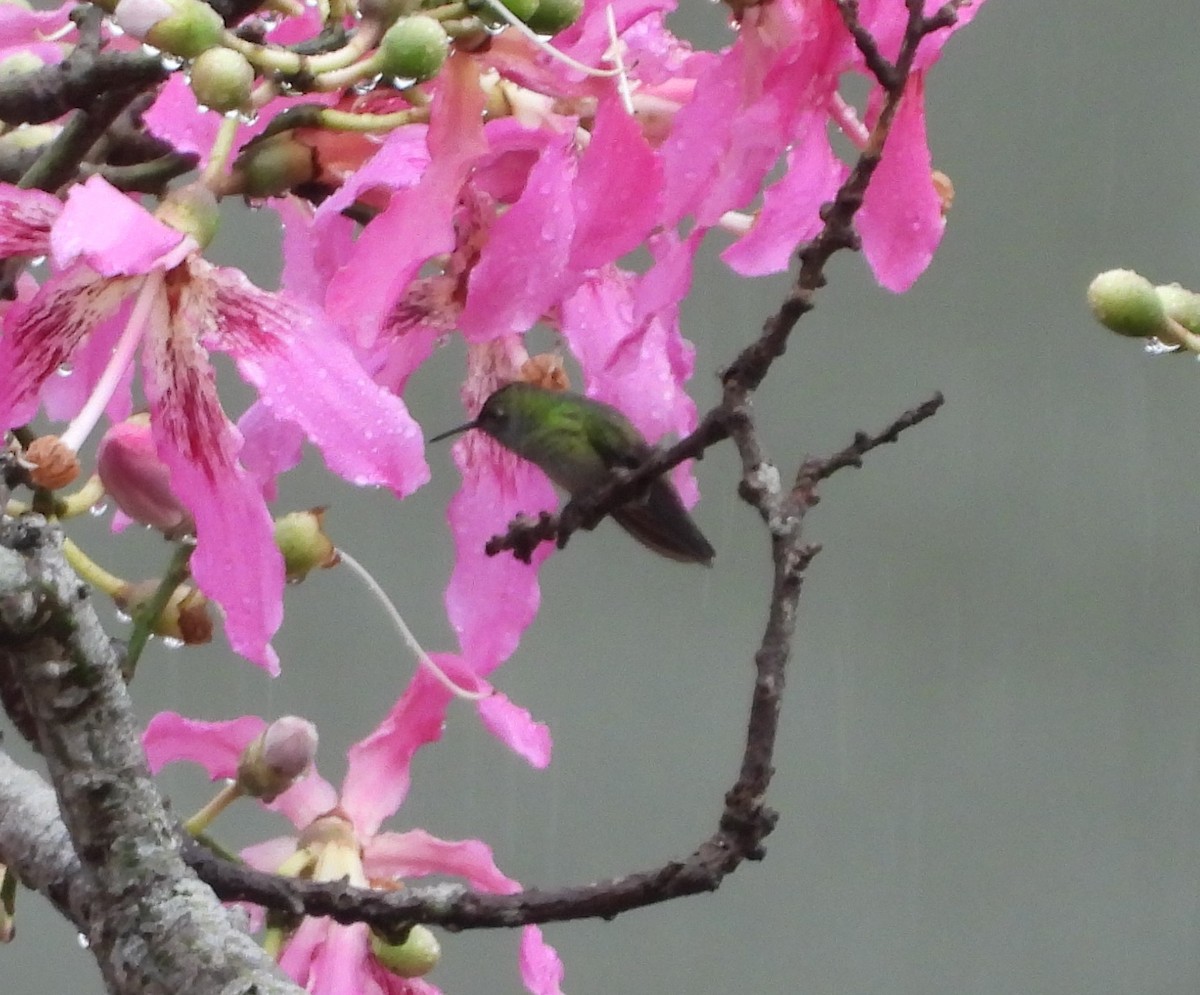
{"points": [[140, 892], [744, 822], [35, 844]]}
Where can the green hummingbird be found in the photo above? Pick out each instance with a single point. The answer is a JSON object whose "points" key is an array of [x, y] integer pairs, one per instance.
{"points": [[577, 442]]}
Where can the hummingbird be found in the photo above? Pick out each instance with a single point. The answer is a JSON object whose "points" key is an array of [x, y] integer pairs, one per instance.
{"points": [[576, 442]]}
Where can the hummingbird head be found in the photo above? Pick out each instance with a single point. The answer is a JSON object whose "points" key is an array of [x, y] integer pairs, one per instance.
{"points": [[505, 414]]}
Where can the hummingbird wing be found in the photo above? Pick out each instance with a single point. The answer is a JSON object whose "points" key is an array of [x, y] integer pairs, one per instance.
{"points": [[658, 519]]}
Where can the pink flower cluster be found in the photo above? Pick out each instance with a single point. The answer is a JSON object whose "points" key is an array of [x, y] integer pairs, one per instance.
{"points": [[513, 201]]}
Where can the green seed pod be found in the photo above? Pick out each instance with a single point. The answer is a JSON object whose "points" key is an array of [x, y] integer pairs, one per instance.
{"points": [[1126, 303], [222, 79], [553, 16], [272, 167], [413, 48], [416, 956], [523, 10]]}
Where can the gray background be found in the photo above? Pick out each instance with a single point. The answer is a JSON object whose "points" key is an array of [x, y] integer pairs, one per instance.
{"points": [[987, 775]]}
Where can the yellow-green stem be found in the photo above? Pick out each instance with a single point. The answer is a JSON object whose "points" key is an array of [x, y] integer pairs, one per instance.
{"points": [[91, 571], [221, 801]]}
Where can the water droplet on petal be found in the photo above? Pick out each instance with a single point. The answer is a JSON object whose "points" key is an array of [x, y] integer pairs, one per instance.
{"points": [[65, 369], [98, 509]]}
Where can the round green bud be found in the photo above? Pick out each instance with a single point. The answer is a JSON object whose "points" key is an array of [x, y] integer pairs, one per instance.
{"points": [[553, 16], [192, 210], [1126, 303], [413, 48], [272, 167], [523, 10], [181, 27], [301, 538], [1182, 305], [416, 956], [222, 79]]}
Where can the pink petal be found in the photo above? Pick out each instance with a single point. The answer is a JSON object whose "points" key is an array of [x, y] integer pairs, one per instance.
{"points": [[42, 334], [418, 222], [416, 854], [618, 192], [270, 447], [541, 968], [901, 219], [297, 957], [25, 220], [63, 396], [112, 233], [175, 117], [269, 855], [522, 269], [340, 966], [517, 729], [377, 773], [490, 600], [789, 214], [236, 562], [310, 255], [306, 375], [308, 798], [215, 746]]}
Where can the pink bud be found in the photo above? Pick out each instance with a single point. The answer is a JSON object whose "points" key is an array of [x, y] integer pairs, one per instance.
{"points": [[138, 480], [273, 762]]}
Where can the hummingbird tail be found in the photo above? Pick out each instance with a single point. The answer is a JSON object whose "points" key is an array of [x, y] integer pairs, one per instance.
{"points": [[660, 522]]}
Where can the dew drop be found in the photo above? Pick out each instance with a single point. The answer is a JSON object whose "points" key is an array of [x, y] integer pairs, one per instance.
{"points": [[365, 86], [1156, 347], [98, 509], [82, 941], [65, 369], [172, 642]]}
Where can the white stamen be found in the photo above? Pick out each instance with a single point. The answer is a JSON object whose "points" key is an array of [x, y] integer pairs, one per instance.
{"points": [[613, 55], [505, 14], [83, 423], [406, 634]]}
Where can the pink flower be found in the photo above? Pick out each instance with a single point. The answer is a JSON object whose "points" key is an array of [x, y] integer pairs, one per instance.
{"points": [[106, 248], [340, 837]]}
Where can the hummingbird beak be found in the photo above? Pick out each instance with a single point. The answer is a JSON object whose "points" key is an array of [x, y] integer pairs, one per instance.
{"points": [[454, 431]]}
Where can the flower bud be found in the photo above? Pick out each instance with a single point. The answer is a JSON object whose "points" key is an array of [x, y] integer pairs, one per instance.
{"points": [[192, 210], [185, 616], [1126, 303], [137, 480], [414, 48], [182, 27], [414, 958], [222, 79], [52, 463], [301, 538], [272, 167], [553, 16], [278, 758]]}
